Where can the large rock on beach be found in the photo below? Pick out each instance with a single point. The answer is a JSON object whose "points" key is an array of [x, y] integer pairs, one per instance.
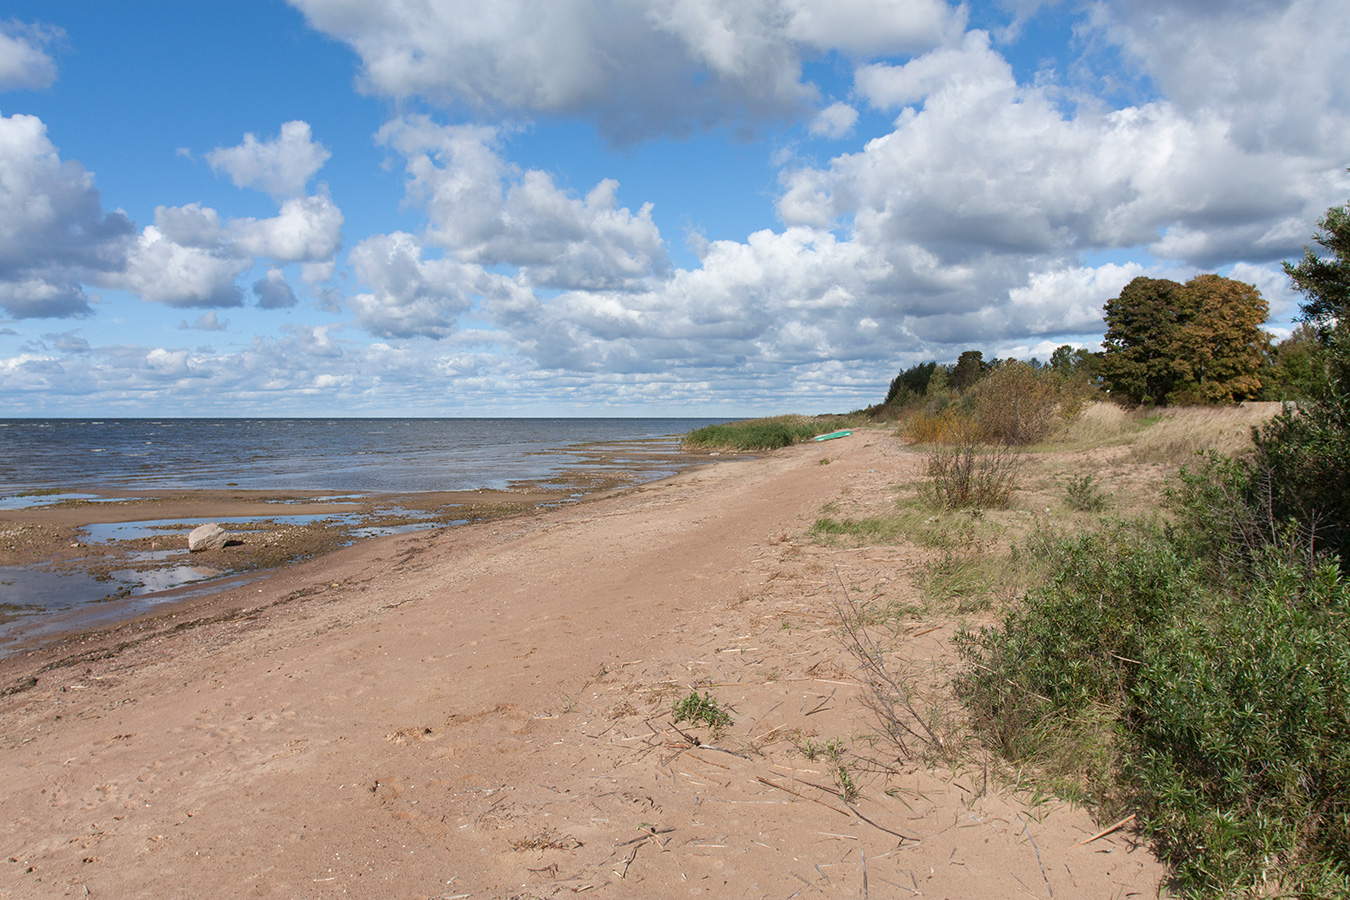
{"points": [[207, 537]]}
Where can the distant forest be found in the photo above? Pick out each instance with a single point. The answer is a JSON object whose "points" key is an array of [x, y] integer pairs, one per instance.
{"points": [[1166, 344]]}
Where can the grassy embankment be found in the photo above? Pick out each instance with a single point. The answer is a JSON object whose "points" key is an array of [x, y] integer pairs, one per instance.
{"points": [[1117, 647]]}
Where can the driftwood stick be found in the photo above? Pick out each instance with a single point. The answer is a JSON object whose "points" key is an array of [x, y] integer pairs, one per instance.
{"points": [[1115, 826]]}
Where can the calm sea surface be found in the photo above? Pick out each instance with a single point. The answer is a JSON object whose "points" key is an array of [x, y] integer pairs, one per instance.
{"points": [[350, 455]]}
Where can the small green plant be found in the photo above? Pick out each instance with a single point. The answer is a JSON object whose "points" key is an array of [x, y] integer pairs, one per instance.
{"points": [[701, 710], [805, 744], [1082, 494], [833, 751], [843, 780]]}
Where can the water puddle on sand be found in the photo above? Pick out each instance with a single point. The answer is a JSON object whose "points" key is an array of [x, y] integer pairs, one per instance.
{"points": [[31, 597], [48, 604], [30, 590], [29, 501], [405, 528], [152, 581], [107, 532]]}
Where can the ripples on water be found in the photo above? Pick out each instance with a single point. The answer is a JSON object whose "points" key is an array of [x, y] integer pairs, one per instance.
{"points": [[364, 455]]}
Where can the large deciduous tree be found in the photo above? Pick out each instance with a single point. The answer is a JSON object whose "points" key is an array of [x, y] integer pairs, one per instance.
{"points": [[1198, 342]]}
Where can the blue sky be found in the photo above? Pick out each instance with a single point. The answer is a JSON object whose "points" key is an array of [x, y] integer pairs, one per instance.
{"points": [[672, 207]]}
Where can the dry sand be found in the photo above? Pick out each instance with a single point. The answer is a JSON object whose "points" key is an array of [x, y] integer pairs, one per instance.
{"points": [[484, 712]]}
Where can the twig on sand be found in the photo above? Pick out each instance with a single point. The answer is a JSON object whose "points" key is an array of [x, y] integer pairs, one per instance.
{"points": [[1114, 826], [782, 787], [903, 837], [647, 837], [719, 750], [1027, 831]]}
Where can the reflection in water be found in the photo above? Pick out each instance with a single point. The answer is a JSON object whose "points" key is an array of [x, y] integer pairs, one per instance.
{"points": [[152, 580]]}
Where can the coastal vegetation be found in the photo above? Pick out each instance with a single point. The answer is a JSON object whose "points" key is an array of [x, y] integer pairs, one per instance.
{"points": [[1182, 662], [770, 433]]}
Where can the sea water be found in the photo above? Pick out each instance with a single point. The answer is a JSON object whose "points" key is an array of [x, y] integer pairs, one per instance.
{"points": [[325, 454]]}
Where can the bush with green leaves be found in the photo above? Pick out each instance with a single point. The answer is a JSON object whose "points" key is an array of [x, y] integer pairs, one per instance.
{"points": [[1239, 739], [1046, 684], [1141, 677], [1083, 494]]}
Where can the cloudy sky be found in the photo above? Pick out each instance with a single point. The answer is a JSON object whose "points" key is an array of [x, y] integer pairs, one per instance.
{"points": [[627, 207]]}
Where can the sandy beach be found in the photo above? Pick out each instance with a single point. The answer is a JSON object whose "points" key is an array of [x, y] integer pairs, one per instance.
{"points": [[485, 712]]}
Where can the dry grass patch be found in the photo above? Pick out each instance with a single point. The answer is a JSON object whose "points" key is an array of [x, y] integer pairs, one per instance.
{"points": [[1175, 435]]}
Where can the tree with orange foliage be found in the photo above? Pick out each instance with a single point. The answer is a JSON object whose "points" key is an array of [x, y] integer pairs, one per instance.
{"points": [[1198, 342]]}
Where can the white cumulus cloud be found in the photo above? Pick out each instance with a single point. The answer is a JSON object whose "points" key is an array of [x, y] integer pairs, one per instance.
{"points": [[410, 296], [834, 121], [281, 166], [486, 211], [24, 61], [638, 68], [54, 234], [306, 229]]}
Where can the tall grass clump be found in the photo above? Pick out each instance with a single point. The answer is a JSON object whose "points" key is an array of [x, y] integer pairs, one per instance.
{"points": [[757, 434]]}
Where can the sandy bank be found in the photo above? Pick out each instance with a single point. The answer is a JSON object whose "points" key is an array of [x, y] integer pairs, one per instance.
{"points": [[484, 712]]}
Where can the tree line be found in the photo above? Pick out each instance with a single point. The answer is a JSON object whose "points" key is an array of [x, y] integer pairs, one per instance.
{"points": [[1166, 344]]}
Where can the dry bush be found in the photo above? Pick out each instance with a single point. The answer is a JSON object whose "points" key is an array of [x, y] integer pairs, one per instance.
{"points": [[912, 724], [966, 472], [926, 427], [1016, 404]]}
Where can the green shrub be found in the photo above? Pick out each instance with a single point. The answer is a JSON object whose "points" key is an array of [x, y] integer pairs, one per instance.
{"points": [[1082, 494], [1217, 708], [1304, 450], [757, 434], [1046, 685], [1240, 745]]}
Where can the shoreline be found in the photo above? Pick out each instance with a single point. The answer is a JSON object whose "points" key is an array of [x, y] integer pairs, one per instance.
{"points": [[100, 555], [487, 712]]}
